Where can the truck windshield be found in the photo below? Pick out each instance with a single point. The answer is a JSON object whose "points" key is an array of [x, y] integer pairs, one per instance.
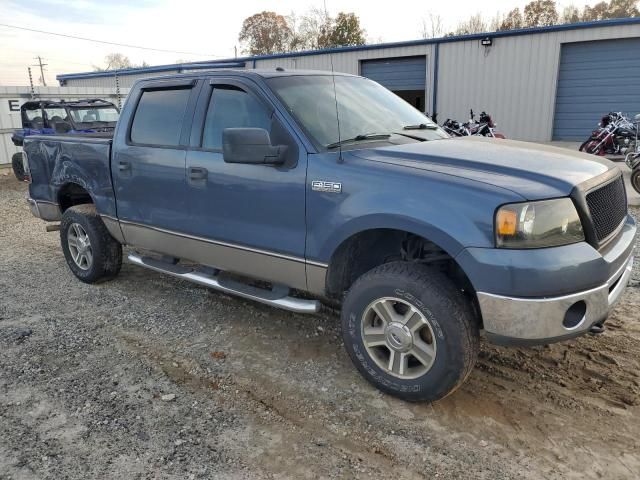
{"points": [[366, 111]]}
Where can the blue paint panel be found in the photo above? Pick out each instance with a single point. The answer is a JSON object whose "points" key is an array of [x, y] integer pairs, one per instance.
{"points": [[595, 78], [403, 73]]}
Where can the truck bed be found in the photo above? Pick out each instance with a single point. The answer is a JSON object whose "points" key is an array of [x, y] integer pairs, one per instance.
{"points": [[56, 161]]}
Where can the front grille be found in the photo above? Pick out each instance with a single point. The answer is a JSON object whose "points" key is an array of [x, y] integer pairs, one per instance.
{"points": [[608, 207]]}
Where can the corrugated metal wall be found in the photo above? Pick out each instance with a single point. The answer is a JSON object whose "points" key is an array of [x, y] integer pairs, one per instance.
{"points": [[12, 97], [514, 80]]}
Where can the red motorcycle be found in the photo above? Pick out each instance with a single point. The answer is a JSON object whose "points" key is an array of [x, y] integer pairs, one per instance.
{"points": [[615, 136]]}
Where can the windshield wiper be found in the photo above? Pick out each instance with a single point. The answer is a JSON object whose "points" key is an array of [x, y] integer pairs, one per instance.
{"points": [[359, 138], [420, 126], [414, 137]]}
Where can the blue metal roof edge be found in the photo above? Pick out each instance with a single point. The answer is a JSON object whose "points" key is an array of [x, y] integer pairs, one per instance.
{"points": [[158, 68], [240, 62]]}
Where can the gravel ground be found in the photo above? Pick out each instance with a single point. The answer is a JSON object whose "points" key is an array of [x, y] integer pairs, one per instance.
{"points": [[147, 376]]}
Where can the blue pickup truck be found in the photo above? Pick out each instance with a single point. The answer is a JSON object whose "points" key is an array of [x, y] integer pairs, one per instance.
{"points": [[293, 188]]}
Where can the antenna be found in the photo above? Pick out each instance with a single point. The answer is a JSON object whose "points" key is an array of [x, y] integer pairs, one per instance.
{"points": [[335, 97]]}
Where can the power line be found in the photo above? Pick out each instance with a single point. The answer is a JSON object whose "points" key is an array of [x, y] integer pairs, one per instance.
{"points": [[108, 43]]}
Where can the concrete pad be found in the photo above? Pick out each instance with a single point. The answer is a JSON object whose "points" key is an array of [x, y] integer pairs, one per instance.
{"points": [[633, 197]]}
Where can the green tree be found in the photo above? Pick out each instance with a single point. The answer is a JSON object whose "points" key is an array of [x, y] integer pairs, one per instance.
{"points": [[265, 33], [346, 30]]}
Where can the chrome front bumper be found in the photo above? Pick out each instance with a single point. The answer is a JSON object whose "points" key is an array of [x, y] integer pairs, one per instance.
{"points": [[511, 320], [47, 211]]}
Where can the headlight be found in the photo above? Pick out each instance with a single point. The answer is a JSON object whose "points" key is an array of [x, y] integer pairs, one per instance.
{"points": [[548, 223]]}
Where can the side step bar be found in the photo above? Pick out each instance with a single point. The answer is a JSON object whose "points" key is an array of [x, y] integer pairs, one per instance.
{"points": [[277, 297]]}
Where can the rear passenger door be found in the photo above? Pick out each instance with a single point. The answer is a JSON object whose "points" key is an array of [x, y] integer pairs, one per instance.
{"points": [[253, 216], [148, 166]]}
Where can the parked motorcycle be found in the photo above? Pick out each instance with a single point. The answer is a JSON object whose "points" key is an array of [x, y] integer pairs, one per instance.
{"points": [[484, 127], [615, 135], [632, 158]]}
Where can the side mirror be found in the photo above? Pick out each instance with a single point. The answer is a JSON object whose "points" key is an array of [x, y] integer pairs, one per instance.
{"points": [[251, 145]]}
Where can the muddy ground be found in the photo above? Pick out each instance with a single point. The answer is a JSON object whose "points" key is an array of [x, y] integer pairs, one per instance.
{"points": [[147, 376]]}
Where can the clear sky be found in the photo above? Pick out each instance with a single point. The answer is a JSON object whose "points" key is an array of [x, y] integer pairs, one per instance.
{"points": [[205, 29]]}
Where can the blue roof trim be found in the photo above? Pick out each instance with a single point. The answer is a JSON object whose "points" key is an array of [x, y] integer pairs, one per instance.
{"points": [[240, 62], [159, 68]]}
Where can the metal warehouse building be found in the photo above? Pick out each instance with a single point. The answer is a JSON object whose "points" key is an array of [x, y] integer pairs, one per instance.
{"points": [[539, 84]]}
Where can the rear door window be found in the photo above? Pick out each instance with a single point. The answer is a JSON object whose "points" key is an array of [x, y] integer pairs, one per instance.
{"points": [[159, 117], [232, 107]]}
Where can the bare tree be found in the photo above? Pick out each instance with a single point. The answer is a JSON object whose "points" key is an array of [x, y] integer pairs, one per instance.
{"points": [[475, 24], [118, 61], [432, 27], [313, 29], [570, 14]]}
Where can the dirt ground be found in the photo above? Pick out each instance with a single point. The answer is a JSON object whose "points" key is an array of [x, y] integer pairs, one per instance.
{"points": [[147, 376]]}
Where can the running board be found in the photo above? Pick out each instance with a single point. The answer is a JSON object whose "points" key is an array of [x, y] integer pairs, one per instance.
{"points": [[276, 297]]}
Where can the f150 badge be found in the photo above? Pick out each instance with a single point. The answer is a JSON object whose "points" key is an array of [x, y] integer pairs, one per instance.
{"points": [[323, 186]]}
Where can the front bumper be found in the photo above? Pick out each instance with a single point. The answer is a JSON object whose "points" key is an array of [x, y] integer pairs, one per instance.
{"points": [[534, 321], [47, 211]]}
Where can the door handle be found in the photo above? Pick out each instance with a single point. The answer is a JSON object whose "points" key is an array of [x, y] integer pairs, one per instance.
{"points": [[124, 166], [198, 173]]}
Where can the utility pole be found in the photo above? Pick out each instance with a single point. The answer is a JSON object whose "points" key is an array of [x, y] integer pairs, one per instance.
{"points": [[41, 65], [235, 52]]}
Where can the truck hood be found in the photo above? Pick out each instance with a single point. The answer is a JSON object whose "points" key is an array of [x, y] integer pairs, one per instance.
{"points": [[533, 171]]}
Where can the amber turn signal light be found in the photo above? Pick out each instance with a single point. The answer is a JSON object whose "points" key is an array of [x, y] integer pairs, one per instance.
{"points": [[506, 221]]}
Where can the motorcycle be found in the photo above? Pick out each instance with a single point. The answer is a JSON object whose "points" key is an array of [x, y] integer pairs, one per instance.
{"points": [[615, 135], [484, 127], [632, 158]]}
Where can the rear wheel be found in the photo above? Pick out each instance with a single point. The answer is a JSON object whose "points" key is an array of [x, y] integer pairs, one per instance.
{"points": [[410, 331], [18, 167], [89, 249]]}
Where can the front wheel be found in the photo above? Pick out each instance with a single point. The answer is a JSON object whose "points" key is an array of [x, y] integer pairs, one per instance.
{"points": [[635, 179], [409, 331], [18, 166], [593, 147], [91, 252]]}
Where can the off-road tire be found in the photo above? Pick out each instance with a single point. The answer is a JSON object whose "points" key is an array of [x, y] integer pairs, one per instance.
{"points": [[444, 307], [635, 179], [106, 251], [18, 167]]}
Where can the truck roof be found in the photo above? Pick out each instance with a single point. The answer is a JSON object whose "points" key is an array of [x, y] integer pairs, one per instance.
{"points": [[257, 72]]}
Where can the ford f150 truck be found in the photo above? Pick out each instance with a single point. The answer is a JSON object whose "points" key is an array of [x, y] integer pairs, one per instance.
{"points": [[265, 183]]}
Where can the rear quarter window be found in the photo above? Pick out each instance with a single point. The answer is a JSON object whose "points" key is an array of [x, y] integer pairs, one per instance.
{"points": [[159, 116]]}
